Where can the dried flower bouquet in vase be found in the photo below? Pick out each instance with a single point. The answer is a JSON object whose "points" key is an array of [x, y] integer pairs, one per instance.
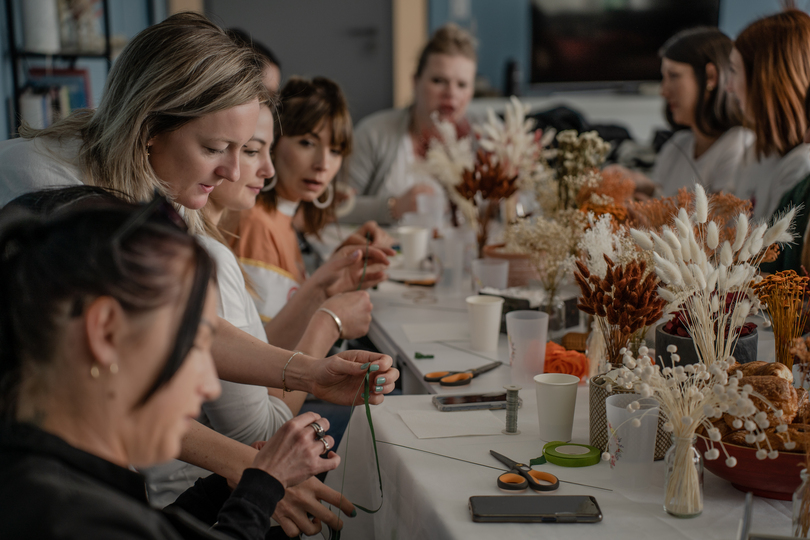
{"points": [[509, 157], [783, 294], [698, 272], [621, 295]]}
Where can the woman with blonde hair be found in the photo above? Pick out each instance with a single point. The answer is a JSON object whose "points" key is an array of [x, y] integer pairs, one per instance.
{"points": [[770, 74], [390, 143]]}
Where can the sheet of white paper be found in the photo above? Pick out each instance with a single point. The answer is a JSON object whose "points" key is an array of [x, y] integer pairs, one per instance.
{"points": [[437, 424], [427, 333]]}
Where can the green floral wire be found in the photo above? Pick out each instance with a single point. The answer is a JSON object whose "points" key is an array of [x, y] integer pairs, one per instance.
{"points": [[365, 262], [366, 387]]}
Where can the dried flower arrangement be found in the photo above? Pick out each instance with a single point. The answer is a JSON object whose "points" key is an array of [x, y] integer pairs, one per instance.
{"points": [[510, 156], [624, 301], [689, 397], [697, 270], [616, 285], [551, 245], [784, 294]]}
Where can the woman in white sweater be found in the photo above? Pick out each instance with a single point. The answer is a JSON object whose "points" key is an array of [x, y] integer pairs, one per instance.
{"points": [[710, 141]]}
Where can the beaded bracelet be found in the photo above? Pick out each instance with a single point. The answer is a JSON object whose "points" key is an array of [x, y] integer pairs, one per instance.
{"points": [[284, 373]]}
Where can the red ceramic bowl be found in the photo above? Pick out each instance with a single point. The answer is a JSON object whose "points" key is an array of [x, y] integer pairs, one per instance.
{"points": [[771, 478]]}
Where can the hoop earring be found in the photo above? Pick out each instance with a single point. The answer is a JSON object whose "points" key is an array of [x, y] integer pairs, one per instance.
{"points": [[330, 190], [271, 185]]}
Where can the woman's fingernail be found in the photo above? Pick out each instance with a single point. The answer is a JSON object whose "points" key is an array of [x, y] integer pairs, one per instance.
{"points": [[374, 367], [378, 389], [380, 380], [354, 512], [365, 366]]}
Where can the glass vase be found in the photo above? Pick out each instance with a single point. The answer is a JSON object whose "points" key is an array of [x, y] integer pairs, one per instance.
{"points": [[683, 483], [801, 507]]}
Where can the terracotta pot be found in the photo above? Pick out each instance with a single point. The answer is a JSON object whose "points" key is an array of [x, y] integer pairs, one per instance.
{"points": [[772, 478], [744, 351], [521, 269]]}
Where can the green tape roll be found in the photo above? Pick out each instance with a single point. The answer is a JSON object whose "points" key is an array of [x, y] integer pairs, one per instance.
{"points": [[573, 455]]}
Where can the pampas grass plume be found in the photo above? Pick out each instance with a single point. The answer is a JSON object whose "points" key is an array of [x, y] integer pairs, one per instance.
{"points": [[712, 236], [701, 205]]}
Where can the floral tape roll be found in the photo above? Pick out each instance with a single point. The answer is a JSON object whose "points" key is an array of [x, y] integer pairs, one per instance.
{"points": [[571, 455]]}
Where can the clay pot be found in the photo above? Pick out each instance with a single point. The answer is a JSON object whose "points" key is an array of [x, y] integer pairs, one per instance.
{"points": [[745, 350], [521, 269]]}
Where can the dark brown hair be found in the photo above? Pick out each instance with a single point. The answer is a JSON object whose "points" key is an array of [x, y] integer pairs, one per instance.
{"points": [[699, 47], [776, 56], [451, 40], [50, 266], [304, 106]]}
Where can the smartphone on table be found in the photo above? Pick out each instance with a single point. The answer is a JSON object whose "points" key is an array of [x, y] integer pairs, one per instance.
{"points": [[535, 509]]}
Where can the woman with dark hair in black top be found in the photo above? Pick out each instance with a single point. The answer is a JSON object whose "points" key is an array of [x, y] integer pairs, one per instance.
{"points": [[106, 323]]}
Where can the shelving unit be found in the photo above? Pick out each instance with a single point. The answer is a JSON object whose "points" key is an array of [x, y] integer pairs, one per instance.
{"points": [[67, 58]]}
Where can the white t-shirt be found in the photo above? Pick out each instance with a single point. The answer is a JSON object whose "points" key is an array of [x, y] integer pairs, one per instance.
{"points": [[28, 165], [764, 182], [243, 412], [676, 166]]}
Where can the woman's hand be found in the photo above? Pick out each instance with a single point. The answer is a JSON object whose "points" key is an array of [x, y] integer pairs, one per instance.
{"points": [[303, 500], [379, 238], [293, 454], [354, 310], [338, 378], [407, 202], [344, 270]]}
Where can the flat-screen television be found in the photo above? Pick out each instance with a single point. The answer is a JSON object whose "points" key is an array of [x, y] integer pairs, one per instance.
{"points": [[579, 43]]}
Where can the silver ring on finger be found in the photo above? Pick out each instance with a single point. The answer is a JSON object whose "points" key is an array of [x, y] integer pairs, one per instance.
{"points": [[326, 446], [319, 432]]}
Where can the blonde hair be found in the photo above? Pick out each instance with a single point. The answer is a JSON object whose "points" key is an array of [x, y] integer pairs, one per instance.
{"points": [[451, 40], [171, 73]]}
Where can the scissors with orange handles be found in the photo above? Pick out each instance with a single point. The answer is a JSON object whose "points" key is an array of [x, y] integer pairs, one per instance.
{"points": [[459, 378], [521, 476]]}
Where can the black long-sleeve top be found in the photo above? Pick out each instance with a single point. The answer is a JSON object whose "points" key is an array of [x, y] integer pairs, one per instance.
{"points": [[51, 490]]}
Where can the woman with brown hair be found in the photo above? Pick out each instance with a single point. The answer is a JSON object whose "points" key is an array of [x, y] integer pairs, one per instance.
{"points": [[389, 144], [312, 136], [710, 141], [770, 74]]}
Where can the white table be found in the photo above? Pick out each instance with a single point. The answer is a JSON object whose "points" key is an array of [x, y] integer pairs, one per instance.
{"points": [[426, 496]]}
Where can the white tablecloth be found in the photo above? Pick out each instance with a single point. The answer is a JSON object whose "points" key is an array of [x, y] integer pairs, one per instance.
{"points": [[426, 496]]}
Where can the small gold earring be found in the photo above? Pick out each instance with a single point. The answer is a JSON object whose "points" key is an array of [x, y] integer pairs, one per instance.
{"points": [[113, 368], [147, 150], [94, 372]]}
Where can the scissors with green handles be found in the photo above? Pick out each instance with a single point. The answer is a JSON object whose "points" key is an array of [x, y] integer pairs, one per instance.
{"points": [[521, 476], [458, 378]]}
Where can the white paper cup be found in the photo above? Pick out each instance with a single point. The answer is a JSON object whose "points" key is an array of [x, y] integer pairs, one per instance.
{"points": [[490, 273], [556, 399], [632, 449], [485, 321], [414, 244], [527, 332]]}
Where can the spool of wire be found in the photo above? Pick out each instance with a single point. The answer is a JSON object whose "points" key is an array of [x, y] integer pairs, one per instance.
{"points": [[511, 409]]}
